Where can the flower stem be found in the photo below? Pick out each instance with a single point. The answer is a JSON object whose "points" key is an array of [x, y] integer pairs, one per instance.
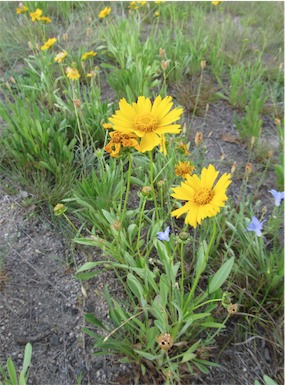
{"points": [[128, 189], [152, 184]]}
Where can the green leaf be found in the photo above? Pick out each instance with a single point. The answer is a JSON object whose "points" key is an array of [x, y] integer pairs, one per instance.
{"points": [[188, 356], [12, 371], [88, 266], [215, 325], [22, 380], [135, 286], [257, 382], [27, 358], [221, 275], [148, 356], [269, 380], [94, 321], [88, 275]]}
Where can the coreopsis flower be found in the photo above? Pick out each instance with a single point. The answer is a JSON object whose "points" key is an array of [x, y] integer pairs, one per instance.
{"points": [[278, 196], [21, 9], [60, 56], [72, 73], [165, 341], [105, 12], [148, 121], [49, 43], [203, 198], [119, 140], [36, 15], [45, 19], [183, 169], [215, 2], [133, 5], [87, 55], [107, 126], [164, 235], [256, 226]]}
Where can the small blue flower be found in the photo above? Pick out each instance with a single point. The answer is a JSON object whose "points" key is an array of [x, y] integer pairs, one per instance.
{"points": [[278, 196], [255, 226], [164, 235]]}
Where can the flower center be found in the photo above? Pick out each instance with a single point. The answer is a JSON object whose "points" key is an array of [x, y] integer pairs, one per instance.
{"points": [[146, 122], [203, 196]]}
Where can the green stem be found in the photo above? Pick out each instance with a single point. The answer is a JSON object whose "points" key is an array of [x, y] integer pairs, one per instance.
{"points": [[69, 221], [127, 190], [140, 224], [152, 184]]}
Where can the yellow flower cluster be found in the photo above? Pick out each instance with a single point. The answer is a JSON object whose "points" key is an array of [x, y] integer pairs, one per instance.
{"points": [[38, 16], [119, 140], [49, 43]]}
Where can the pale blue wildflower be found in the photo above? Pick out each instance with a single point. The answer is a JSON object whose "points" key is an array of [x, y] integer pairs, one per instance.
{"points": [[164, 235], [256, 226], [278, 196]]}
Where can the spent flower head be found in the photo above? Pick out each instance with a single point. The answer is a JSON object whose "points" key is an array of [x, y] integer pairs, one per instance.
{"points": [[72, 73], [256, 226], [165, 341], [278, 196], [60, 56], [183, 169]]}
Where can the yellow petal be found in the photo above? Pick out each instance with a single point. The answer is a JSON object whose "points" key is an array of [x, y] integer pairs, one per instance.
{"points": [[172, 116], [149, 141]]}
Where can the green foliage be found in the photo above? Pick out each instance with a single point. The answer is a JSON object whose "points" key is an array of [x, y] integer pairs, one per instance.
{"points": [[10, 377]]}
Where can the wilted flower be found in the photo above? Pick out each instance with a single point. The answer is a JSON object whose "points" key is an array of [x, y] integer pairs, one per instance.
{"points": [[48, 44], [105, 12], [184, 148], [184, 168], [60, 56], [87, 55], [234, 166], [165, 341], [256, 226], [164, 235], [119, 140], [248, 168], [198, 138], [203, 64], [65, 36], [162, 53], [76, 103], [72, 73], [278, 196], [277, 122], [232, 308], [165, 64]]}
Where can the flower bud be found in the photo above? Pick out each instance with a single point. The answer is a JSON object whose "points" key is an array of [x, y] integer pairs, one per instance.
{"points": [[234, 166], [198, 138], [146, 191], [59, 209], [162, 53], [183, 235]]}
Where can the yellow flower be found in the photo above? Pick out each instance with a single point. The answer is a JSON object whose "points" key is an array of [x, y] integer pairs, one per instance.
{"points": [[45, 19], [183, 169], [215, 2], [204, 199], [119, 140], [48, 44], [107, 126], [36, 15], [86, 55], [21, 9], [149, 122], [105, 12], [60, 56], [133, 5], [72, 73]]}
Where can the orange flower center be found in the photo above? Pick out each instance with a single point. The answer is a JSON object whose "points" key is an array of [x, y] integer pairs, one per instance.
{"points": [[145, 122], [203, 196]]}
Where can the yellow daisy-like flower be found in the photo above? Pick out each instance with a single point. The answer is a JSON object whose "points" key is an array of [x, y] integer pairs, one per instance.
{"points": [[119, 140], [204, 199], [86, 55], [133, 5], [105, 12], [149, 122], [48, 44], [36, 15], [215, 2], [183, 169], [60, 56], [72, 73], [21, 9], [45, 19]]}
